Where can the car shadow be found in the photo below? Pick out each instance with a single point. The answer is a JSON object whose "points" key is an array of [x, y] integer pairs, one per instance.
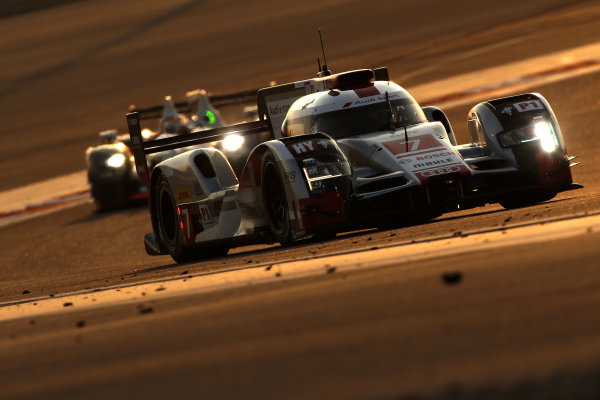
{"points": [[134, 208]]}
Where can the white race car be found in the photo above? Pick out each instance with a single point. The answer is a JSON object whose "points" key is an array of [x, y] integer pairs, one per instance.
{"points": [[345, 150]]}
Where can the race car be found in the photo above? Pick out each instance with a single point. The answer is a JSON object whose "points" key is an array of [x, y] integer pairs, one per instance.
{"points": [[114, 183], [345, 150]]}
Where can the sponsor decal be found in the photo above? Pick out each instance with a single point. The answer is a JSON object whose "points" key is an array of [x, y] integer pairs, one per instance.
{"points": [[328, 84], [434, 156], [183, 195], [133, 122], [289, 176], [188, 217], [426, 157], [367, 101], [426, 175], [367, 91], [277, 110], [307, 87], [427, 164], [207, 219], [371, 99], [508, 110], [304, 147], [440, 171], [419, 143], [528, 106], [323, 143]]}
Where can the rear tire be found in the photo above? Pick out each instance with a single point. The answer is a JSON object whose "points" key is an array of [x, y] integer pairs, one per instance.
{"points": [[169, 229], [275, 202]]}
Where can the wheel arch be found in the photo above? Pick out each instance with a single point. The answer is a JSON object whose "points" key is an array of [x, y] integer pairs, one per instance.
{"points": [[289, 155]]}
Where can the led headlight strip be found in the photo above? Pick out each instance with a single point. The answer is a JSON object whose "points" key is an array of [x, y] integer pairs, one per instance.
{"points": [[539, 129], [317, 172]]}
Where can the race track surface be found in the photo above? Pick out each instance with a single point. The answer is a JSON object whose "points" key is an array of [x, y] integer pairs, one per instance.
{"points": [[516, 321]]}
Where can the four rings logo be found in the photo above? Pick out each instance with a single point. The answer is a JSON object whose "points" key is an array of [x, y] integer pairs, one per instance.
{"points": [[440, 171]]}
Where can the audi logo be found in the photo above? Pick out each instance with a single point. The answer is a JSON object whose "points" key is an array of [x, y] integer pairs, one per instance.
{"points": [[440, 171]]}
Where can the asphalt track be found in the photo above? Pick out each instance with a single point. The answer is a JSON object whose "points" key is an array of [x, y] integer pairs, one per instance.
{"points": [[518, 321]]}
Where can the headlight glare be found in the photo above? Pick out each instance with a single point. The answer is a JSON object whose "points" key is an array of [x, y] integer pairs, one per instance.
{"points": [[116, 160], [539, 130], [543, 131], [233, 142], [146, 133]]}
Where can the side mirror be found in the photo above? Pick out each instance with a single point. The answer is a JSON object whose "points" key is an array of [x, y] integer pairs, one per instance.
{"points": [[435, 114]]}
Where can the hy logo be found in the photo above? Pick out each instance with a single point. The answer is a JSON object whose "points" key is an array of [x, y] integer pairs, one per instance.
{"points": [[304, 147]]}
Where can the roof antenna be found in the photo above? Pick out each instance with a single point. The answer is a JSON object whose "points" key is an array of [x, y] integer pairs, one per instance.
{"points": [[323, 71]]}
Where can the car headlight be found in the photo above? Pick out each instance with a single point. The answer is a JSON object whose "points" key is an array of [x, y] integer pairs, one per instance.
{"points": [[543, 131], [318, 172], [540, 130], [146, 133], [116, 160], [233, 142]]}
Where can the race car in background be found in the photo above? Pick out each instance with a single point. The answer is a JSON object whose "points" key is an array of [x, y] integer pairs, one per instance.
{"points": [[345, 150], [113, 180]]}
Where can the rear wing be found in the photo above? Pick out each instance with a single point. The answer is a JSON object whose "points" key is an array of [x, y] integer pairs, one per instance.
{"points": [[141, 148], [219, 100]]}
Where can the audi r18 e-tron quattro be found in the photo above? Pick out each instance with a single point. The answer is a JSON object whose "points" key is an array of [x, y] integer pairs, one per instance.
{"points": [[350, 149]]}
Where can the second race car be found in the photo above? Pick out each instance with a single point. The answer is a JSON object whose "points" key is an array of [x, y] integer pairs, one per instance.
{"points": [[113, 180]]}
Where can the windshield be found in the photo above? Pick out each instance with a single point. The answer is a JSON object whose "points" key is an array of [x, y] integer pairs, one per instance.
{"points": [[367, 119]]}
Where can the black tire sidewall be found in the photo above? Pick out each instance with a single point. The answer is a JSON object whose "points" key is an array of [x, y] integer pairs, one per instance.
{"points": [[172, 240], [283, 234]]}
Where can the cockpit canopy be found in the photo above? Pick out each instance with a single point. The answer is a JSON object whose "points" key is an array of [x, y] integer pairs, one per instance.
{"points": [[338, 117]]}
